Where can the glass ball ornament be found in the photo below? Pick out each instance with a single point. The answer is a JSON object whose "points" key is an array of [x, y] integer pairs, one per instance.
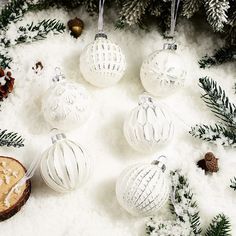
{"points": [[142, 189], [65, 165], [164, 71], [148, 126], [102, 62], [66, 105]]}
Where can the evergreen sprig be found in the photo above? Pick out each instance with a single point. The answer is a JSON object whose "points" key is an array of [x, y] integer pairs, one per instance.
{"points": [[215, 133], [34, 32], [216, 99], [183, 198], [10, 139], [220, 226], [183, 206], [12, 12], [187, 219], [5, 60], [233, 183], [222, 55]]}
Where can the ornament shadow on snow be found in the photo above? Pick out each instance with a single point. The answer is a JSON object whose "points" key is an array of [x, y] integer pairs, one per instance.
{"points": [[148, 126], [102, 62], [142, 189], [66, 105]]}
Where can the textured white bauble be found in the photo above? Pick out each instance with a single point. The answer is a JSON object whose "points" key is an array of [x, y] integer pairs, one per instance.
{"points": [[163, 72], [65, 165], [66, 105], [148, 126], [102, 63], [142, 189]]}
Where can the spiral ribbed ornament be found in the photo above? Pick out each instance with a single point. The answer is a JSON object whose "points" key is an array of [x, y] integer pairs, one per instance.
{"points": [[148, 126], [65, 165], [142, 189], [163, 71], [102, 63]]}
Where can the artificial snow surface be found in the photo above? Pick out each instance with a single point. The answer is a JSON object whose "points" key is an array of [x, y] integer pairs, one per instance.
{"points": [[93, 209]]}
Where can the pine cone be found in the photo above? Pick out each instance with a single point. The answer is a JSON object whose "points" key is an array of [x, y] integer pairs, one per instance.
{"points": [[211, 162], [76, 27], [6, 84]]}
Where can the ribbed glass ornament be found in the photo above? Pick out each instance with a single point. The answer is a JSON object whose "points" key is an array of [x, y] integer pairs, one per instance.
{"points": [[142, 189], [163, 72], [148, 126], [66, 105], [102, 63], [65, 165]]}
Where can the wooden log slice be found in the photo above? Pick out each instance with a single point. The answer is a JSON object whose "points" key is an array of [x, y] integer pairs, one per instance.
{"points": [[11, 171]]}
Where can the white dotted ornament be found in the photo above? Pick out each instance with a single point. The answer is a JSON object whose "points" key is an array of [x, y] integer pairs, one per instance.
{"points": [[142, 189], [163, 71], [102, 63], [66, 105], [148, 126]]}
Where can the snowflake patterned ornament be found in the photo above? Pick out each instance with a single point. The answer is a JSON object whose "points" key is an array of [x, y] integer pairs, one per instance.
{"points": [[148, 126], [163, 71], [142, 189], [66, 105], [102, 62]]}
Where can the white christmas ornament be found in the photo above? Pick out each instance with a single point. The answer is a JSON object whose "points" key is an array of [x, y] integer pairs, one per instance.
{"points": [[102, 63], [163, 71], [142, 189], [66, 105], [65, 165], [148, 126]]}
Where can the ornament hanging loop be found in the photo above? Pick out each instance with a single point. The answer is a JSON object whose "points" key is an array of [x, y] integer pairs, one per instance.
{"points": [[100, 20], [174, 13]]}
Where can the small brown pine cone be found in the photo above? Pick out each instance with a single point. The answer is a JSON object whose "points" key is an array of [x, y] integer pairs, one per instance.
{"points": [[211, 162]]}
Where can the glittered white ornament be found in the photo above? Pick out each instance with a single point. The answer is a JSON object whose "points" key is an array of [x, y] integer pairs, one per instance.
{"points": [[163, 71], [102, 63], [66, 105], [65, 165], [148, 126], [142, 189]]}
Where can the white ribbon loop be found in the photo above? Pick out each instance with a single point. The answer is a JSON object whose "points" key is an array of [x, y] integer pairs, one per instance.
{"points": [[100, 16], [174, 13]]}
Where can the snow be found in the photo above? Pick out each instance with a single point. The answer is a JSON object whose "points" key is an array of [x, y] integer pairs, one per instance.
{"points": [[93, 209]]}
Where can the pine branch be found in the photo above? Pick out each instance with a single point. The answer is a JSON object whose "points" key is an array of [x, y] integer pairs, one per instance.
{"points": [[183, 205], [11, 139], [132, 12], [216, 99], [233, 183], [217, 134], [5, 60], [190, 7], [216, 11], [222, 55], [34, 32], [12, 12], [220, 226]]}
